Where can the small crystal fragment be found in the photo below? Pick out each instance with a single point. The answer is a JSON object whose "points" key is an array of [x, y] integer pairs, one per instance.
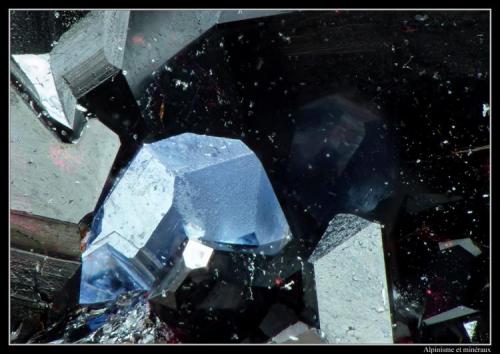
{"points": [[470, 327], [299, 333], [466, 243], [459, 311]]}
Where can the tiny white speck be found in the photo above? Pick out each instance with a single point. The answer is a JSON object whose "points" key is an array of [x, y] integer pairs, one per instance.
{"points": [[486, 109], [81, 108]]}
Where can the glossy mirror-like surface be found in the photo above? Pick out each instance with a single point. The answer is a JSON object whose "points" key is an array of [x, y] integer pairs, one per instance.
{"points": [[186, 187]]}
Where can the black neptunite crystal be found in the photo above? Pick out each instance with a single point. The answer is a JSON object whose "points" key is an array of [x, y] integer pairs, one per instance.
{"points": [[227, 303]]}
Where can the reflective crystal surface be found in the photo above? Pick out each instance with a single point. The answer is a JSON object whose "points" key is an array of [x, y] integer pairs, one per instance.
{"points": [[37, 70], [126, 320], [194, 256], [190, 186]]}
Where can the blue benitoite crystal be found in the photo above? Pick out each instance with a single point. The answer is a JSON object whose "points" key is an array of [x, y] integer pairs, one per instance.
{"points": [[210, 189]]}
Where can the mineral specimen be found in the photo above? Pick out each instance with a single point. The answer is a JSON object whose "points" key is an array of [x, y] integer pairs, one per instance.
{"points": [[190, 186], [400, 135]]}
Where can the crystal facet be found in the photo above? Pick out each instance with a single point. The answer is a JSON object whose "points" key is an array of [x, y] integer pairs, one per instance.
{"points": [[189, 186], [37, 70], [298, 333], [351, 284], [51, 179]]}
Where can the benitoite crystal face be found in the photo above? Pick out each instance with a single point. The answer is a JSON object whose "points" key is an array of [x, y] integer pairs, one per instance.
{"points": [[189, 186]]}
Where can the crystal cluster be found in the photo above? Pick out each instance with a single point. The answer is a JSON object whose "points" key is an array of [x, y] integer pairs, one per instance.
{"points": [[188, 241]]}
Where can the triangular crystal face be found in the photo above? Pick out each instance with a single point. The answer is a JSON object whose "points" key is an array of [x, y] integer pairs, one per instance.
{"points": [[105, 276]]}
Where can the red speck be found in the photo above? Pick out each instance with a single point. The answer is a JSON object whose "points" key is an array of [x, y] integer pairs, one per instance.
{"points": [[84, 235], [409, 29], [162, 110], [278, 281], [138, 39], [428, 292]]}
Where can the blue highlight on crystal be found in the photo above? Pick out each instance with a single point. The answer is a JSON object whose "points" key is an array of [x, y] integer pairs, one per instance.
{"points": [[210, 189]]}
